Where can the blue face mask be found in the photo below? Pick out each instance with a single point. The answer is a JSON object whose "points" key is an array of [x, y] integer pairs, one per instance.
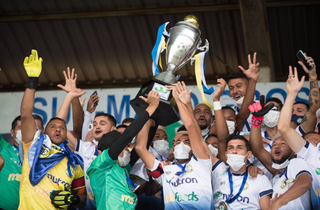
{"points": [[297, 119]]}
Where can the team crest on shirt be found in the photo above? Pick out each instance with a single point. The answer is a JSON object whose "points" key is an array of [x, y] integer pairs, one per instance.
{"points": [[246, 187], [189, 168], [283, 184]]}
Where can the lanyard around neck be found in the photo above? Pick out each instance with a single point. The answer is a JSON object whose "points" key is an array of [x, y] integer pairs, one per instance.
{"points": [[229, 199]]}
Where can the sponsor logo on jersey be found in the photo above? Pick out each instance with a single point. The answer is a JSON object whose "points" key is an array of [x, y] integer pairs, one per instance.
{"points": [[246, 187], [183, 181], [180, 198], [318, 170], [14, 177], [127, 198], [242, 199], [58, 181]]}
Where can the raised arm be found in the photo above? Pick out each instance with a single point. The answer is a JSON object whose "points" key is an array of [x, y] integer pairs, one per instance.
{"points": [[256, 143], [133, 129], [252, 73], [294, 140], [77, 112], [310, 119], [91, 107], [221, 124], [33, 66], [183, 99], [141, 145], [300, 187]]}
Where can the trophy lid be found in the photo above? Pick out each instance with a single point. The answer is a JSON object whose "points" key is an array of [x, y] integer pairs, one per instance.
{"points": [[192, 19]]}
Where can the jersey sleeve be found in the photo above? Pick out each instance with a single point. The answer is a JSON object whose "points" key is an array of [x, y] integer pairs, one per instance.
{"points": [[299, 166], [78, 181], [300, 130], [217, 168], [265, 186], [308, 152], [157, 169], [85, 148]]}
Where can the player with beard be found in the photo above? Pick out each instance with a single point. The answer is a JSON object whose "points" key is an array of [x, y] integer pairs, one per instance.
{"points": [[242, 86], [301, 147], [52, 176], [292, 177], [186, 183], [203, 115]]}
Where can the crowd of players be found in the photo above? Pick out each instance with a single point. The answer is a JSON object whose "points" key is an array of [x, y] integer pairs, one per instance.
{"points": [[254, 155]]}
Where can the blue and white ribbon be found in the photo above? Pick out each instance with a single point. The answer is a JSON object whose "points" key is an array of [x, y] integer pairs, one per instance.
{"points": [[203, 58], [157, 48]]}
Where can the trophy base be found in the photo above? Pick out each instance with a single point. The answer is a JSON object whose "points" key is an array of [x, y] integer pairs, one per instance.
{"points": [[167, 111]]}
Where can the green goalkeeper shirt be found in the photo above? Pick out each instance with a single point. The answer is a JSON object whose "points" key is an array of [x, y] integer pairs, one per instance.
{"points": [[10, 176], [109, 184]]}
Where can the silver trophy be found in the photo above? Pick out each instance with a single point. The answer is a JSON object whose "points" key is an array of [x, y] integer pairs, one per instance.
{"points": [[183, 42]]}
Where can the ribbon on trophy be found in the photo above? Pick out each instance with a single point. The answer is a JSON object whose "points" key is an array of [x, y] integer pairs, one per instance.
{"points": [[200, 64], [158, 48]]}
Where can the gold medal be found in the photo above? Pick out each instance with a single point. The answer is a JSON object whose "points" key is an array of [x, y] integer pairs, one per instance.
{"points": [[223, 205]]}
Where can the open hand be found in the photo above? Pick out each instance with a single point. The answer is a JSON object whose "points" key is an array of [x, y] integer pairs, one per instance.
{"points": [[253, 70], [71, 80], [153, 98], [293, 83], [76, 93], [184, 94], [221, 83]]}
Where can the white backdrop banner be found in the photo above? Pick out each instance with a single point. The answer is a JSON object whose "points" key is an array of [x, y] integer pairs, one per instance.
{"points": [[116, 101]]}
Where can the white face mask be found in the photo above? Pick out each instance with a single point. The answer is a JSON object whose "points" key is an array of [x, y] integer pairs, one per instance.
{"points": [[123, 161], [239, 102], [162, 147], [281, 165], [181, 151], [205, 131], [231, 126], [18, 137], [236, 162], [271, 118], [213, 150]]}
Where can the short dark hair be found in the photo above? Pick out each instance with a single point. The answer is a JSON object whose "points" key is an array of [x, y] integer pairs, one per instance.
{"points": [[37, 117], [121, 126], [55, 118], [311, 132], [15, 122], [301, 102], [111, 118], [236, 75], [234, 136], [182, 128], [212, 135], [127, 120], [228, 107], [277, 100]]}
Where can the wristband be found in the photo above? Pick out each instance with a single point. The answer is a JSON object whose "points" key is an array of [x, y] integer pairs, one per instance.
{"points": [[256, 121], [32, 82], [216, 105], [313, 80]]}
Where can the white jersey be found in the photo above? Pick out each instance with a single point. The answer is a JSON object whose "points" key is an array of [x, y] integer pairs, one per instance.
{"points": [[88, 152], [281, 183], [300, 130], [249, 198], [190, 190], [311, 155]]}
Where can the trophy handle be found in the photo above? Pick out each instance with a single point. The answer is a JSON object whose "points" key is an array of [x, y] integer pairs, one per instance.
{"points": [[204, 48]]}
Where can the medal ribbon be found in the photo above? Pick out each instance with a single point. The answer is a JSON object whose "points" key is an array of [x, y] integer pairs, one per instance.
{"points": [[229, 199]]}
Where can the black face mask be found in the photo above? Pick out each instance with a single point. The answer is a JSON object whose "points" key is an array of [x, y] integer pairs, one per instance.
{"points": [[297, 119]]}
